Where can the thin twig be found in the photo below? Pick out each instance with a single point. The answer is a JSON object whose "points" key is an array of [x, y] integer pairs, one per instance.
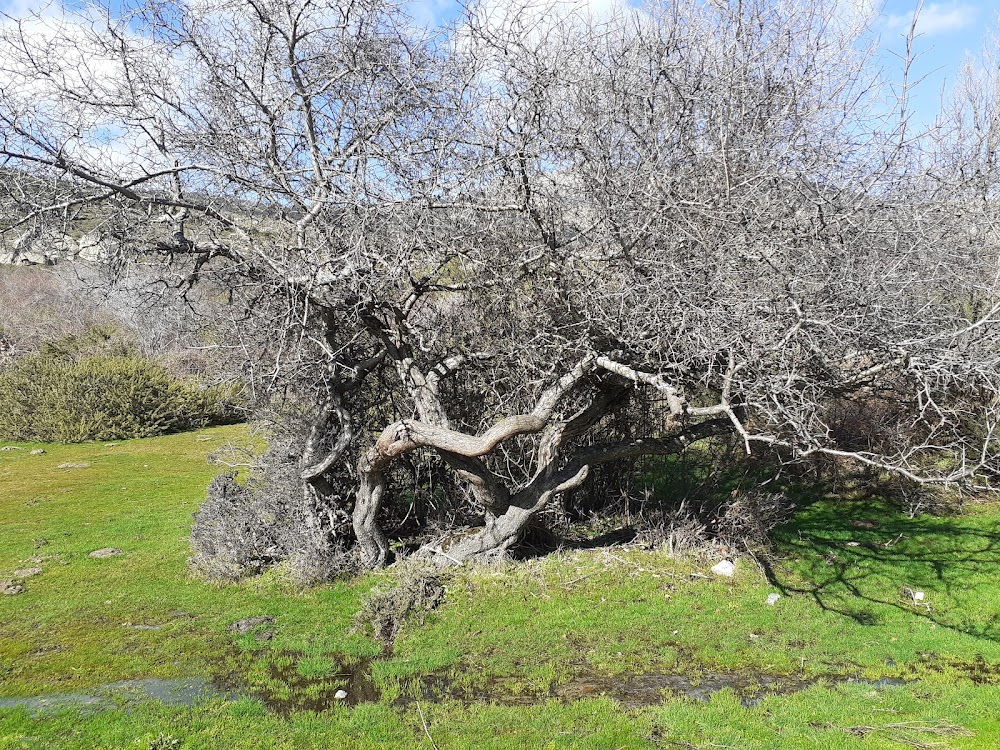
{"points": [[893, 542], [426, 730], [580, 578]]}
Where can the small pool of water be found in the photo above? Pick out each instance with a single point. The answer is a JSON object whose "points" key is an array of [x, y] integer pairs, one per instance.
{"points": [[181, 691], [298, 693]]}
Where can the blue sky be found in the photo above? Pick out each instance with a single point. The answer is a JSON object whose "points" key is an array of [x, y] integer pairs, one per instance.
{"points": [[947, 31]]}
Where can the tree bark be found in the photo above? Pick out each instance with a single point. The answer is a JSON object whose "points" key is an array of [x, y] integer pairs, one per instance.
{"points": [[373, 546], [460, 449], [317, 460], [500, 533]]}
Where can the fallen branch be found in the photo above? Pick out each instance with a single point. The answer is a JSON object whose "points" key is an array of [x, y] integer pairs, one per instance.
{"points": [[902, 732]]}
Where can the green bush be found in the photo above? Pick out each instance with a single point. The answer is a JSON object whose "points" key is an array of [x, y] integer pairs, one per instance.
{"points": [[65, 395]]}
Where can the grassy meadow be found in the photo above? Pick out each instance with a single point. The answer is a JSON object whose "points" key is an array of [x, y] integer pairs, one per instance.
{"points": [[599, 648]]}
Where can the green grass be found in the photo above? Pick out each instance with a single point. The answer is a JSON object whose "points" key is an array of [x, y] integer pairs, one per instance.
{"points": [[844, 610], [74, 628], [521, 633]]}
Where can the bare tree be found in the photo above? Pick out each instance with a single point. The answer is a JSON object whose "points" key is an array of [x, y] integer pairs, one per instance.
{"points": [[538, 242]]}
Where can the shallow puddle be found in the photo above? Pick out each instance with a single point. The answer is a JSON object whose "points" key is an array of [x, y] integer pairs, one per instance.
{"points": [[183, 691], [652, 689], [288, 691]]}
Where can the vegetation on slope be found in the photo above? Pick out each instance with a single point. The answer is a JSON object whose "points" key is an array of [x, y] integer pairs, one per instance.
{"points": [[96, 386]]}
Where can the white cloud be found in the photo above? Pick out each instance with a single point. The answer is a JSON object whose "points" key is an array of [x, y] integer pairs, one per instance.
{"points": [[22, 8], [935, 18]]}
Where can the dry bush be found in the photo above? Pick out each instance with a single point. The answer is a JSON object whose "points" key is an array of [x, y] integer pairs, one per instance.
{"points": [[234, 531], [319, 561], [43, 304], [243, 529], [680, 530], [914, 498], [419, 588], [869, 421], [741, 522], [745, 522], [40, 305]]}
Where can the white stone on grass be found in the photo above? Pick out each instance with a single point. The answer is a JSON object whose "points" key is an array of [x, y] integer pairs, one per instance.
{"points": [[724, 568], [104, 553]]}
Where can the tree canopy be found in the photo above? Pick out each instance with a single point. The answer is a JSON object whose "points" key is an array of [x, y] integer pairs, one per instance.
{"points": [[537, 241]]}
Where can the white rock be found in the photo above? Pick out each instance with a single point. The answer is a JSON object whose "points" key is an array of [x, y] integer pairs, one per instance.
{"points": [[340, 695], [104, 553], [772, 599], [36, 248], [92, 248], [724, 568], [918, 596]]}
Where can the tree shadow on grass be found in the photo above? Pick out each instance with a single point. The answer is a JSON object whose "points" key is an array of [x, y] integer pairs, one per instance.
{"points": [[850, 546], [856, 557]]}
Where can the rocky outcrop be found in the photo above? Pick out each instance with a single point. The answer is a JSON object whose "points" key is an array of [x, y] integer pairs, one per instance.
{"points": [[92, 248], [45, 248], [33, 248], [105, 552]]}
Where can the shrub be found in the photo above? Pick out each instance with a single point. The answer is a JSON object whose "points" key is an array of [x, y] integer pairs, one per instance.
{"points": [[65, 395], [44, 303], [234, 531], [320, 561], [243, 529], [240, 531], [712, 522], [419, 589], [746, 521]]}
